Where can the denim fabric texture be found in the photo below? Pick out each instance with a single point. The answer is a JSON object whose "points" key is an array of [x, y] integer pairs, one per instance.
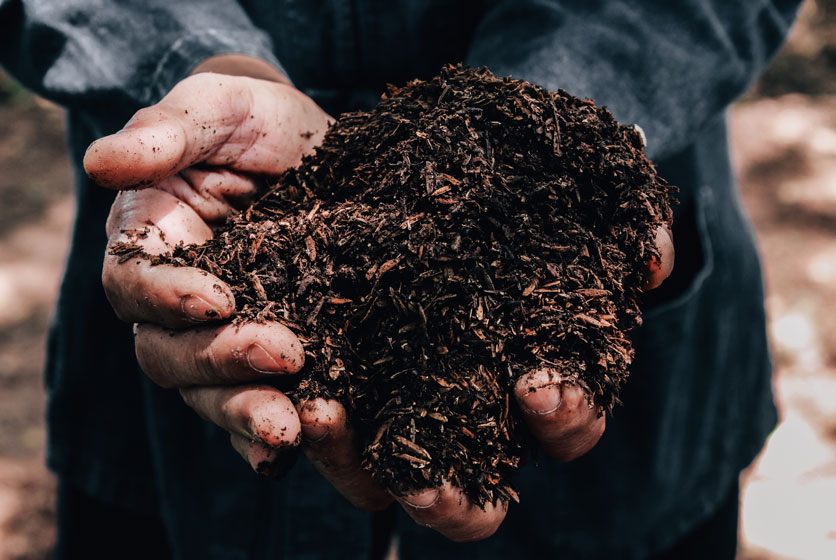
{"points": [[698, 405]]}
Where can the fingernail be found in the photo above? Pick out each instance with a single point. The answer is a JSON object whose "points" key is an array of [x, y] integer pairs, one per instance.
{"points": [[260, 360], [543, 400], [422, 500], [315, 432], [198, 309]]}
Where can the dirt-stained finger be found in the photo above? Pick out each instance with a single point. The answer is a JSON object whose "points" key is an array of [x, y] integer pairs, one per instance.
{"points": [[447, 510], [559, 414], [155, 220], [658, 269], [272, 462], [256, 412], [166, 295], [150, 222], [213, 119], [331, 445], [213, 193], [224, 354]]}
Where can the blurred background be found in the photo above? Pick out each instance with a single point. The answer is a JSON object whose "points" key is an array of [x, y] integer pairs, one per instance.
{"points": [[784, 144]]}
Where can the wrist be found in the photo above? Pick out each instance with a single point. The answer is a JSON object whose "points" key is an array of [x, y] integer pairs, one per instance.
{"points": [[241, 65]]}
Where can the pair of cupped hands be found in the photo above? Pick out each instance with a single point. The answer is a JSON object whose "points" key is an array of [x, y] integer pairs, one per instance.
{"points": [[182, 166]]}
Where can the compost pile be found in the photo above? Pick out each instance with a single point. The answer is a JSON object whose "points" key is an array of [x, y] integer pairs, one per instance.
{"points": [[467, 230]]}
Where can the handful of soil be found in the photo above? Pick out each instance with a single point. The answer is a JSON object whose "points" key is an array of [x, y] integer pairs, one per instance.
{"points": [[467, 230]]}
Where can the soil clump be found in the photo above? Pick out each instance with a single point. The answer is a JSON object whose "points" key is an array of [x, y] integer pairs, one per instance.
{"points": [[467, 230]]}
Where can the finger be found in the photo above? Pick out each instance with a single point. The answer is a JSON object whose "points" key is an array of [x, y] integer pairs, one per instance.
{"points": [[212, 194], [559, 414], [155, 220], [256, 412], [243, 123], [217, 355], [659, 268], [451, 513], [332, 447], [167, 295], [217, 186], [267, 461]]}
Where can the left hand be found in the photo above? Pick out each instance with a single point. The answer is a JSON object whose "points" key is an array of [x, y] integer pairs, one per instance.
{"points": [[558, 414]]}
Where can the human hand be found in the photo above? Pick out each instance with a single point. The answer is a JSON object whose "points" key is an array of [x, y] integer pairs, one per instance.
{"points": [[205, 148], [558, 414], [203, 361]]}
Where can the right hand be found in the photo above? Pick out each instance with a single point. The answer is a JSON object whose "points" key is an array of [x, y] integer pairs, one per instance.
{"points": [[209, 137], [204, 149]]}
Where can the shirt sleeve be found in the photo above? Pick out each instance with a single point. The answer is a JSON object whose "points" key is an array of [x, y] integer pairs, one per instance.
{"points": [[668, 66], [88, 54]]}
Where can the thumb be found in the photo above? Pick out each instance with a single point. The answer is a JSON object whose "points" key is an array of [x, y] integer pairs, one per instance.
{"points": [[242, 123], [659, 268]]}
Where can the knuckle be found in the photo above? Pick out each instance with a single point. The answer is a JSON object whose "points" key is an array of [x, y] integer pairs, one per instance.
{"points": [[235, 410], [110, 282], [121, 289], [147, 354], [207, 364]]}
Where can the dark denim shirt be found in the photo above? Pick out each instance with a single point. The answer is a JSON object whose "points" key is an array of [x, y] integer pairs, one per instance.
{"points": [[698, 405]]}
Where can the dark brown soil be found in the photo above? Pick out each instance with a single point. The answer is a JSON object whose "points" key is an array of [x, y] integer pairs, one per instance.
{"points": [[467, 230]]}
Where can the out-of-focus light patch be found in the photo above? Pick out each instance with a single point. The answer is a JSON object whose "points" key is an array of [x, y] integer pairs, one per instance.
{"points": [[815, 191], [823, 141], [791, 520], [789, 126], [811, 193], [794, 331], [9, 504], [789, 501], [794, 450], [23, 288], [30, 263], [812, 396], [7, 292], [821, 267], [795, 337]]}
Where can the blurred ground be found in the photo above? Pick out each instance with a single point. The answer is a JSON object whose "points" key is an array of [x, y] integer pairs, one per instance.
{"points": [[786, 154], [35, 214], [784, 143]]}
